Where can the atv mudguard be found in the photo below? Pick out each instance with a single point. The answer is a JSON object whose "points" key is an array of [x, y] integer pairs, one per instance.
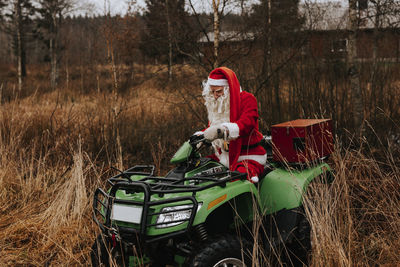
{"points": [[279, 195], [237, 194], [284, 188], [281, 189]]}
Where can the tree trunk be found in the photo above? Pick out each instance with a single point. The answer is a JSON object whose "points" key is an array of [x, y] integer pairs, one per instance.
{"points": [[54, 51], [277, 97], [19, 45], [374, 71], [67, 73], [110, 56], [169, 40], [353, 70], [216, 31], [53, 62], [269, 40]]}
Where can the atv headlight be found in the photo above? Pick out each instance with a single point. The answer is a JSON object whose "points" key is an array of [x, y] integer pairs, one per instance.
{"points": [[172, 216]]}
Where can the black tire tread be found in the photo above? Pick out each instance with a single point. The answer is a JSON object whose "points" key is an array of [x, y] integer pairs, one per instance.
{"points": [[99, 254], [223, 245], [299, 246]]}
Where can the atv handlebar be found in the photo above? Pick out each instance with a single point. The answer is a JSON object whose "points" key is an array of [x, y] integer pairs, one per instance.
{"points": [[196, 139]]}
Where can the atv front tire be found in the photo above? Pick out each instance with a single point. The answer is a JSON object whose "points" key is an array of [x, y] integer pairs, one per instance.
{"points": [[103, 255], [224, 250], [99, 254]]}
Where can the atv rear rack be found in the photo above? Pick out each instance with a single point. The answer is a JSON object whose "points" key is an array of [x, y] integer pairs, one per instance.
{"points": [[149, 186]]}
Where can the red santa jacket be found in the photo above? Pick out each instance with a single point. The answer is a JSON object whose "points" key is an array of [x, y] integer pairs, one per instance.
{"points": [[243, 125]]}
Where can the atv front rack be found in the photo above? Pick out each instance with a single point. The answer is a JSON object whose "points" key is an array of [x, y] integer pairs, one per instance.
{"points": [[135, 170], [150, 186]]}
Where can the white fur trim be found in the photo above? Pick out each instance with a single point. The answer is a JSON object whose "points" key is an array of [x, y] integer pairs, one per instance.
{"points": [[198, 133], [233, 129], [254, 179], [219, 82], [262, 159], [223, 158]]}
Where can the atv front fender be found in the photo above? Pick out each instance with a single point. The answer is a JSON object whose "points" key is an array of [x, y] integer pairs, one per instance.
{"points": [[215, 197]]}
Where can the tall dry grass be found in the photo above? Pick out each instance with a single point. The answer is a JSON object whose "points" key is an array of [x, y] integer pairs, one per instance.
{"points": [[355, 221], [57, 147]]}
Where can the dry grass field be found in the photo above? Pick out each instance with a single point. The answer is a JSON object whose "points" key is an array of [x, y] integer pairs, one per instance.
{"points": [[57, 147]]}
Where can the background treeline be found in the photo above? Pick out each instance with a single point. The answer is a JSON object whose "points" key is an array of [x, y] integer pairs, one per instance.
{"points": [[270, 44], [266, 43], [79, 94]]}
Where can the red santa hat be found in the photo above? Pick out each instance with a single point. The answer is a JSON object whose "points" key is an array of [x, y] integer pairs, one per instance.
{"points": [[217, 78], [224, 76]]}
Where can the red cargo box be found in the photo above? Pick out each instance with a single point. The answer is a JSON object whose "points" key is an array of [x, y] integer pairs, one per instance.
{"points": [[302, 140]]}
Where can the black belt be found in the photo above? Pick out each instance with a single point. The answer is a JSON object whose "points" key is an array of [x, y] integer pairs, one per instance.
{"points": [[251, 146]]}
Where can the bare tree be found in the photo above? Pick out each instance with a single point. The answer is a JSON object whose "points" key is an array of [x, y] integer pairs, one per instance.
{"points": [[129, 40], [110, 33], [17, 25], [209, 32], [18, 19], [215, 4], [383, 14], [169, 27], [353, 69], [52, 14], [19, 42]]}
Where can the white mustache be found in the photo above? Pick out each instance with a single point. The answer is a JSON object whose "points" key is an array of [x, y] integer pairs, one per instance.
{"points": [[219, 105]]}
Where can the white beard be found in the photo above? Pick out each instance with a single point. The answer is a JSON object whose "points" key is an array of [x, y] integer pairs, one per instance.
{"points": [[218, 112], [217, 109]]}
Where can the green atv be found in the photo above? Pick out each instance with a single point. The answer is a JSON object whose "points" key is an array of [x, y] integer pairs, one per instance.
{"points": [[202, 214]]}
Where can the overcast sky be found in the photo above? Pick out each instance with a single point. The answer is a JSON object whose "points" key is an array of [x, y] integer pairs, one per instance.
{"points": [[116, 6], [120, 6]]}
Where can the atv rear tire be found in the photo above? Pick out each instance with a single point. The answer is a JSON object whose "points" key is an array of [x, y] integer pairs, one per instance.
{"points": [[224, 250], [299, 247]]}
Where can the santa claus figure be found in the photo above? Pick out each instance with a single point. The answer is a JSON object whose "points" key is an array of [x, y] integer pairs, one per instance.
{"points": [[233, 124]]}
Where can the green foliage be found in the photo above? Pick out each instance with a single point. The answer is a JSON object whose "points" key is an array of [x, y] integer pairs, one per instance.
{"points": [[285, 20], [155, 34]]}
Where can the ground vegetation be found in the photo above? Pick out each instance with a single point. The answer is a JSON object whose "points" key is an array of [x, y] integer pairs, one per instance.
{"points": [[116, 105]]}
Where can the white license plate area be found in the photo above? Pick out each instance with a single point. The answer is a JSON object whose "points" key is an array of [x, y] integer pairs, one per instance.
{"points": [[126, 213]]}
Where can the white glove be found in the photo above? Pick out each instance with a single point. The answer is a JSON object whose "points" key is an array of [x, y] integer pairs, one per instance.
{"points": [[214, 132]]}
